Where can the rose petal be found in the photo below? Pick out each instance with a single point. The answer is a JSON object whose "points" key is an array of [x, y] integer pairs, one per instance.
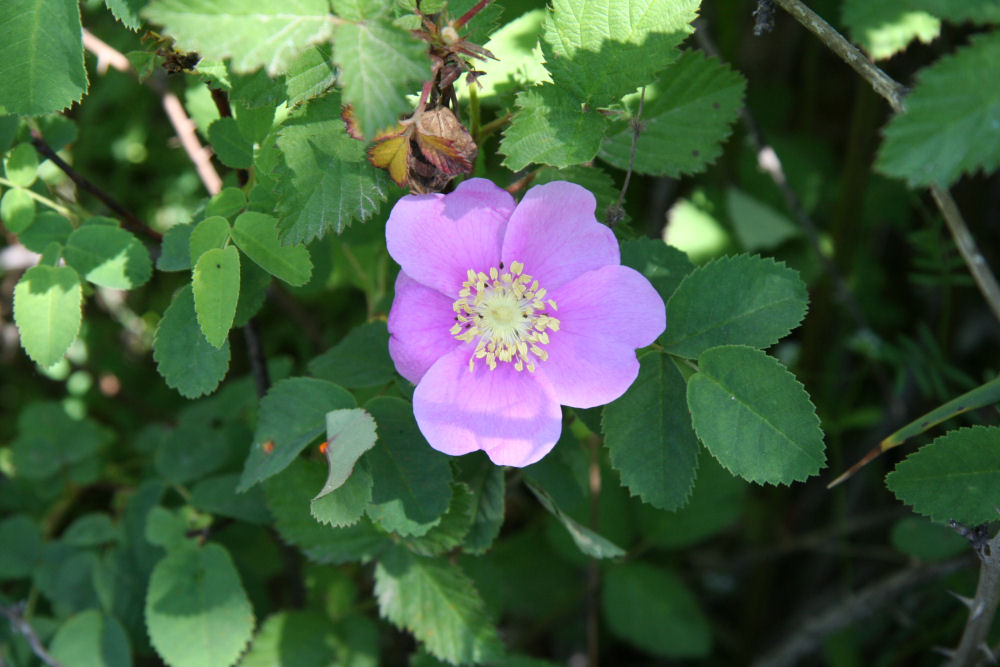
{"points": [[438, 238], [512, 416], [604, 315], [554, 233], [419, 321]]}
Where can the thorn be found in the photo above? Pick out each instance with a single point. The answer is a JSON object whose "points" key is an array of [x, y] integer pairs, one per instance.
{"points": [[961, 598], [988, 653], [946, 652]]}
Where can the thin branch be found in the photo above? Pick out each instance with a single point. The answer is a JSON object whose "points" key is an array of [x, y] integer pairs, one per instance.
{"points": [[981, 608], [258, 362], [894, 92], [20, 625], [616, 213], [130, 220]]}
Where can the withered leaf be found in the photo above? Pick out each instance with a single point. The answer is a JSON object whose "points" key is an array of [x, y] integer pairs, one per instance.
{"points": [[391, 151]]}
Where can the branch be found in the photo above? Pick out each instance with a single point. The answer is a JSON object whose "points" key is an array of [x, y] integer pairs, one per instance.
{"points": [[981, 608], [20, 625], [615, 212], [894, 92]]}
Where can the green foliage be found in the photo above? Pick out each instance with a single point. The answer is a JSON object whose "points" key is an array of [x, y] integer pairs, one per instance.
{"points": [[649, 435], [197, 611], [292, 639], [17, 209], [954, 477], [349, 434], [586, 540], [47, 228], [24, 546], [21, 165], [438, 603], [256, 235], [209, 234], [229, 145], [754, 416], [755, 301], [927, 541], [108, 256], [361, 359], [486, 482], [185, 359], [885, 28], [41, 57], [92, 639], [951, 125], [663, 265], [215, 283], [757, 225], [47, 310]]}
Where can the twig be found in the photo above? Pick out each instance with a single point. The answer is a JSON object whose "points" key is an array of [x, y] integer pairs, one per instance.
{"points": [[15, 614], [813, 631], [258, 362], [130, 220], [982, 607], [893, 92], [45, 201], [615, 213]]}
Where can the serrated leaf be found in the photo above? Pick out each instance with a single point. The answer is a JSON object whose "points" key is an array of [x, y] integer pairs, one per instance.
{"points": [[686, 116], [21, 165], [48, 303], [439, 604], [215, 283], [603, 50], [886, 28], [412, 481], [293, 639], [663, 265], [91, 639], [380, 64], [326, 180], [649, 435], [311, 74], [289, 496], [951, 125], [450, 532], [47, 228], [197, 611], [212, 232], [391, 151], [268, 33], [345, 505], [108, 256], [652, 609], [127, 11], [41, 56], [754, 416], [361, 359], [175, 249], [955, 477], [551, 128], [519, 60], [589, 542], [17, 210], [292, 414], [960, 11], [349, 434], [740, 300], [488, 489], [185, 359], [256, 234], [229, 144], [226, 203]]}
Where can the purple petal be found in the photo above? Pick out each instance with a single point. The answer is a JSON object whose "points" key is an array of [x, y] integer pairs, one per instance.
{"points": [[603, 316], [554, 233], [438, 238], [512, 416], [419, 321]]}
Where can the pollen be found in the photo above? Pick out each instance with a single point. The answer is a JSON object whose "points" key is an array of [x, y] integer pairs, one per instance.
{"points": [[506, 316]]}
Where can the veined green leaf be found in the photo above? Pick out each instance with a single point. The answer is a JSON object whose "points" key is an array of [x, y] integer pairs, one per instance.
{"points": [[185, 359], [92, 639], [108, 256], [589, 542], [48, 303], [215, 283], [887, 27], [349, 434], [256, 234]]}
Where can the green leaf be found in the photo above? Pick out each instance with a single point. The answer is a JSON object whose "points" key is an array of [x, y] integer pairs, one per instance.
{"points": [[190, 451], [380, 64], [232, 149], [754, 416], [886, 28], [41, 56], [412, 481], [293, 639], [601, 51], [587, 540], [292, 414], [127, 11], [311, 74], [757, 225], [22, 540], [268, 33], [215, 283], [488, 489], [345, 505], [91, 639], [210, 233], [47, 228], [361, 359], [167, 529], [551, 128], [451, 531], [649, 436], [519, 58], [40, 450], [740, 300], [217, 495], [256, 234], [187, 362], [108, 256], [349, 434], [21, 165], [227, 203], [325, 179], [17, 210], [254, 124], [652, 609], [91, 530], [48, 302], [254, 283], [686, 116], [919, 538], [961, 11], [438, 603], [663, 265], [985, 394], [289, 496], [951, 125], [197, 612], [175, 249], [955, 477]]}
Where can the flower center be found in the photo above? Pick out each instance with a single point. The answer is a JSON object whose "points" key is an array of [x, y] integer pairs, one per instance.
{"points": [[506, 315]]}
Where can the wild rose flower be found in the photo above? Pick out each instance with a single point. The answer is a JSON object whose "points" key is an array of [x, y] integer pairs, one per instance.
{"points": [[504, 312]]}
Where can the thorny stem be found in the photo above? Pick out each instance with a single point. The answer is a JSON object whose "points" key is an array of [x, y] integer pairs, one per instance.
{"points": [[893, 92], [981, 608], [467, 16], [20, 625], [130, 220], [616, 213]]}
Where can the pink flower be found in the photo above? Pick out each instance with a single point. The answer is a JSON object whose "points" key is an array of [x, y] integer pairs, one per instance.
{"points": [[504, 312]]}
